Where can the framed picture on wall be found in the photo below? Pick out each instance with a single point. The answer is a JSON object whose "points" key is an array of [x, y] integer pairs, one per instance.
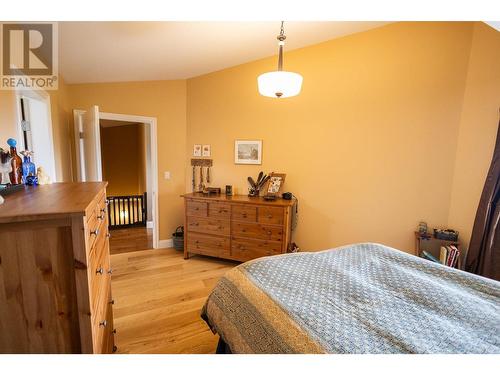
{"points": [[197, 150], [248, 152], [206, 150]]}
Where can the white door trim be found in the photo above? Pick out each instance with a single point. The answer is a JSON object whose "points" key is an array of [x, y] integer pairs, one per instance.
{"points": [[44, 97], [77, 117], [151, 121]]}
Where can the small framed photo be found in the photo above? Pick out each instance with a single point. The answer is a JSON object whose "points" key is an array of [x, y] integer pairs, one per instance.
{"points": [[206, 150], [275, 184], [248, 152], [197, 150]]}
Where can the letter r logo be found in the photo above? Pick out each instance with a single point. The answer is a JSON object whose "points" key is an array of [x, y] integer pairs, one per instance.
{"points": [[27, 49]]}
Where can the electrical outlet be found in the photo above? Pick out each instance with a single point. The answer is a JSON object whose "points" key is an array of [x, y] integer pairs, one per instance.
{"points": [[166, 175]]}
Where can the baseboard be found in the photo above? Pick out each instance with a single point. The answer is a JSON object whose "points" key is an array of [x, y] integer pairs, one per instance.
{"points": [[149, 224], [164, 244]]}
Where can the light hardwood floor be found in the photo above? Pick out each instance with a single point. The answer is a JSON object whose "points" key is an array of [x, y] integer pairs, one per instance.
{"points": [[158, 297], [130, 239]]}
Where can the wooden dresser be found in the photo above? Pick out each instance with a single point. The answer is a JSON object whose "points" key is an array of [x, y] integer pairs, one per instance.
{"points": [[238, 227], [55, 289]]}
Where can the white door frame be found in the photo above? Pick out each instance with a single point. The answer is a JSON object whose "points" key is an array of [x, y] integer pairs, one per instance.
{"points": [[151, 122], [44, 97]]}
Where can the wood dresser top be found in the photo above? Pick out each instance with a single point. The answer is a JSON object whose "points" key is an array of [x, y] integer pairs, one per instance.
{"points": [[240, 199], [58, 199]]}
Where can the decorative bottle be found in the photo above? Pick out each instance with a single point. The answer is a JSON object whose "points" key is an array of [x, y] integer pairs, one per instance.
{"points": [[29, 170], [16, 176]]}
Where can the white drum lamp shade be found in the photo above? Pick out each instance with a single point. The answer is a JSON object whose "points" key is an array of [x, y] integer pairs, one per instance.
{"points": [[279, 84]]}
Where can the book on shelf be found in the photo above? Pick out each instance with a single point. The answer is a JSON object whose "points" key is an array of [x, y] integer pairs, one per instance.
{"points": [[429, 256], [448, 255]]}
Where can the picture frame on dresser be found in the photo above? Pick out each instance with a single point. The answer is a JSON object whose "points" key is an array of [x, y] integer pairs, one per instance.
{"points": [[275, 184]]}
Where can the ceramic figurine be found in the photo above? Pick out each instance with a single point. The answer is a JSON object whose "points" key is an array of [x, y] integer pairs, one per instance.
{"points": [[5, 167], [43, 178], [16, 174]]}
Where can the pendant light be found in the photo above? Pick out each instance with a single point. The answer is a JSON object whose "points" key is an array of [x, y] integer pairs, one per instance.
{"points": [[280, 84]]}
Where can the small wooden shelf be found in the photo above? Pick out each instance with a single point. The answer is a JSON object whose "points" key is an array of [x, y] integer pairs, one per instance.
{"points": [[436, 243]]}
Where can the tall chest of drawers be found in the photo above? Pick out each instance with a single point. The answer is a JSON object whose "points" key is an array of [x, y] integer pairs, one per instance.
{"points": [[238, 228], [55, 273]]}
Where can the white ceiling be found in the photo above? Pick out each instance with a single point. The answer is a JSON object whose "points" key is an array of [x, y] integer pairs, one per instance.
{"points": [[137, 51]]}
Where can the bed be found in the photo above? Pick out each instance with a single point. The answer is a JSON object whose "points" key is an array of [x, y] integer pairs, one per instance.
{"points": [[363, 298]]}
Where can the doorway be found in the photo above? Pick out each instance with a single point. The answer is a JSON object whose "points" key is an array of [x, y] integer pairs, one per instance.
{"points": [[121, 149], [35, 129]]}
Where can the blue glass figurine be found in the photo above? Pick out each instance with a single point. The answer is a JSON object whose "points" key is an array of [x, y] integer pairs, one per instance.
{"points": [[29, 170]]}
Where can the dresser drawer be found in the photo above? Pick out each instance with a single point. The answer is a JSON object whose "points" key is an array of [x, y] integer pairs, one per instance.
{"points": [[244, 212], [97, 224], [245, 249], [209, 226], [195, 208], [270, 215], [97, 207], [108, 340], [260, 231], [99, 273], [102, 328], [219, 210], [92, 231], [208, 245]]}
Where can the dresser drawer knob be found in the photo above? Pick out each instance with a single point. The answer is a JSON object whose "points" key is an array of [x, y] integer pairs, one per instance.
{"points": [[112, 302], [110, 271], [95, 232], [115, 348], [113, 331], [99, 271], [103, 210], [107, 202], [104, 323], [100, 217], [108, 235]]}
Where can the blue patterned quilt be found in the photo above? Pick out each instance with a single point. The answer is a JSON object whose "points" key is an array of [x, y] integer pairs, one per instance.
{"points": [[364, 298]]}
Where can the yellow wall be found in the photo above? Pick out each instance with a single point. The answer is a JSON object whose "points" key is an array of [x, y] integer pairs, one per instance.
{"points": [[478, 128], [165, 100], [62, 117], [369, 144], [8, 117], [122, 161]]}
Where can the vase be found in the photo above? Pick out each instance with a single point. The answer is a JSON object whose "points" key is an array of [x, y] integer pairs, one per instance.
{"points": [[16, 175], [29, 171]]}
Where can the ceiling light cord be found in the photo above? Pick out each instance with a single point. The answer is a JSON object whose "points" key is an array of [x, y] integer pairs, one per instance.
{"points": [[281, 38]]}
